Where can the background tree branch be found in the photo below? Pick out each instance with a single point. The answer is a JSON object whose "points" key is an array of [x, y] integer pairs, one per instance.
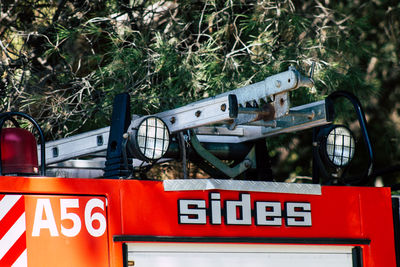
{"points": [[64, 61]]}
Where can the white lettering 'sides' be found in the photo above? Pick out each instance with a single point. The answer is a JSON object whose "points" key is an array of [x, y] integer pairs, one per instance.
{"points": [[239, 212]]}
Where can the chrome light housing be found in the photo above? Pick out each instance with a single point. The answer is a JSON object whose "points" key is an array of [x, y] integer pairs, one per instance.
{"points": [[150, 138], [337, 145]]}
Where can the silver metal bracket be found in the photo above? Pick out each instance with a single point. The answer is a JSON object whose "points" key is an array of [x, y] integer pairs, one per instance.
{"points": [[231, 172], [298, 118]]}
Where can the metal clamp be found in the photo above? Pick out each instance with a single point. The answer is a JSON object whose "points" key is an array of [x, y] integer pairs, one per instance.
{"points": [[231, 172]]}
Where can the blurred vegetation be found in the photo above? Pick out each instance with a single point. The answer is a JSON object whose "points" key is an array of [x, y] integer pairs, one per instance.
{"points": [[63, 61]]}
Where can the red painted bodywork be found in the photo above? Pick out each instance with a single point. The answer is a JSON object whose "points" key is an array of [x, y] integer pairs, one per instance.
{"points": [[143, 208]]}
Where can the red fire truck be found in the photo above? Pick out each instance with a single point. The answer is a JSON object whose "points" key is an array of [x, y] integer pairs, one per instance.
{"points": [[114, 214]]}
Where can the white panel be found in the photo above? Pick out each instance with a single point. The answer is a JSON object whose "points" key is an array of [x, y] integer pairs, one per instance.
{"points": [[237, 255]]}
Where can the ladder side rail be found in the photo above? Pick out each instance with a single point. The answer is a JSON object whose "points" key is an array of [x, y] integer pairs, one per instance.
{"points": [[76, 146], [218, 109]]}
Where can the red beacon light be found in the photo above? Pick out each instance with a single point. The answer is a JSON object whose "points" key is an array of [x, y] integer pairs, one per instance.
{"points": [[18, 148], [18, 152]]}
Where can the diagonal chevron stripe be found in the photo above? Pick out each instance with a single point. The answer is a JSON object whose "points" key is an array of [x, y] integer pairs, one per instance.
{"points": [[22, 261], [7, 203], [15, 252], [12, 235], [11, 217]]}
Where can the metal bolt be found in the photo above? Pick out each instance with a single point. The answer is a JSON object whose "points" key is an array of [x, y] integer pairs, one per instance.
{"points": [[311, 116], [223, 107], [247, 163], [172, 120], [198, 113]]}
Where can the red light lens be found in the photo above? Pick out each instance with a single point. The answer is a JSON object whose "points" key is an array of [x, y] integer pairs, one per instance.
{"points": [[18, 152]]}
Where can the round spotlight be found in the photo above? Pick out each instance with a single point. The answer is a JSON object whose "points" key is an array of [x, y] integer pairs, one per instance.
{"points": [[151, 139], [339, 146]]}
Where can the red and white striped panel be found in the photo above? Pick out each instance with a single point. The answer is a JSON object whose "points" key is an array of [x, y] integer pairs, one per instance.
{"points": [[12, 231]]}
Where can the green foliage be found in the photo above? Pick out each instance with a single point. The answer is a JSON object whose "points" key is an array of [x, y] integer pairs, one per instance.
{"points": [[64, 61]]}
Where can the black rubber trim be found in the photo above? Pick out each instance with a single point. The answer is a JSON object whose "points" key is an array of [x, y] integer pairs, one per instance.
{"points": [[125, 255], [267, 240], [396, 225], [357, 257]]}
